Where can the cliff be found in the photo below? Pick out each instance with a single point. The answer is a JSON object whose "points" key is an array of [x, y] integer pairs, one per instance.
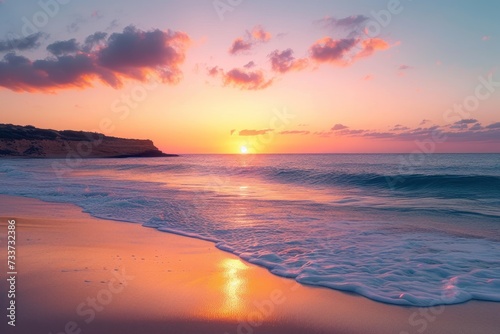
{"points": [[31, 142]]}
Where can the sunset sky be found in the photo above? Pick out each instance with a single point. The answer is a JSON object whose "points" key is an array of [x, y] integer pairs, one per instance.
{"points": [[275, 76]]}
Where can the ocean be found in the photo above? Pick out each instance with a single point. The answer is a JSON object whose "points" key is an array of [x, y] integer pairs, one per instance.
{"points": [[394, 228]]}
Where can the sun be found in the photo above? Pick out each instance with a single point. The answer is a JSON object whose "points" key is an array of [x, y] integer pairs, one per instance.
{"points": [[243, 150]]}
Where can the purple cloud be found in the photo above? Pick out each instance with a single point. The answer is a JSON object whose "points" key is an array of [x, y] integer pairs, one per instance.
{"points": [[284, 61], [338, 127], [132, 54]]}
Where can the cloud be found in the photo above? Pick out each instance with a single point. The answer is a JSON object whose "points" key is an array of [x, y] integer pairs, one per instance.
{"points": [[476, 126], [94, 40], [369, 46], [250, 64], [252, 38], [75, 24], [242, 78], [284, 61], [494, 126], [352, 25], [231, 132], [368, 77], [399, 127], [259, 34], [330, 50], [295, 132], [457, 132], [246, 80], [323, 134], [214, 71], [112, 25], [467, 121], [353, 22], [21, 44], [460, 126], [63, 47], [338, 127], [132, 54], [486, 38], [345, 51], [239, 45], [404, 67], [463, 124], [254, 132]]}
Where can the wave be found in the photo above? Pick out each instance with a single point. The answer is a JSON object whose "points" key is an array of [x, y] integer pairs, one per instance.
{"points": [[402, 182]]}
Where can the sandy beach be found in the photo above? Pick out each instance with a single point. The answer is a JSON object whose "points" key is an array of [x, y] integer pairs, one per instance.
{"points": [[79, 274]]}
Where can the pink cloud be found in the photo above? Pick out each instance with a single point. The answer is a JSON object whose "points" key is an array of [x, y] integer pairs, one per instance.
{"points": [[369, 46], [258, 33], [245, 79], [345, 51], [254, 37], [328, 50], [284, 61], [214, 71], [239, 45]]}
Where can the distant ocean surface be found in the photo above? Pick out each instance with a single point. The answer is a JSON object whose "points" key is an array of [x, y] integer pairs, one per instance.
{"points": [[374, 225]]}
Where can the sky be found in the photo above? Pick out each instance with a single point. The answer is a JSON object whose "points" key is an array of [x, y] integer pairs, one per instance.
{"points": [[261, 76]]}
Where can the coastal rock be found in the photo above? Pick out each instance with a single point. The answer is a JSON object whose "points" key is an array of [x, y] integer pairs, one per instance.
{"points": [[31, 142]]}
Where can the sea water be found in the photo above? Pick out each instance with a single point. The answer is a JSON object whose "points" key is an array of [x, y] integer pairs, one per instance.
{"points": [[424, 234]]}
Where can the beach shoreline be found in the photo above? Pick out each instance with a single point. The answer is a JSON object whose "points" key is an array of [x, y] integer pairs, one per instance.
{"points": [[80, 274]]}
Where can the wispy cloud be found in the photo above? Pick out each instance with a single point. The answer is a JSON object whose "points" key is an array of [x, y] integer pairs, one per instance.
{"points": [[294, 132], [250, 64], [404, 67], [354, 25], [461, 131], [254, 132], [252, 38]]}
